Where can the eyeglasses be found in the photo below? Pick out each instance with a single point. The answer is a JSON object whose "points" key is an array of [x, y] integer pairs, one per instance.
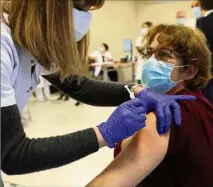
{"points": [[162, 54]]}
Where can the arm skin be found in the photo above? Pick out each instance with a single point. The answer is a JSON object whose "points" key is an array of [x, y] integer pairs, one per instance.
{"points": [[143, 153]]}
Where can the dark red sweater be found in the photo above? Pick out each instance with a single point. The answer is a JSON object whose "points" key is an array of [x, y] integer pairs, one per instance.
{"points": [[189, 160]]}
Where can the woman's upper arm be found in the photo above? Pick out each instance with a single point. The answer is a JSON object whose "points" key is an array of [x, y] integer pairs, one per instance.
{"points": [[147, 147], [142, 155], [7, 92], [148, 138]]}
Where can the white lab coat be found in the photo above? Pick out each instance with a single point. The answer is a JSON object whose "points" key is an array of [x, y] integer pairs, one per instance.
{"points": [[191, 23], [18, 82], [98, 59], [42, 91], [107, 56]]}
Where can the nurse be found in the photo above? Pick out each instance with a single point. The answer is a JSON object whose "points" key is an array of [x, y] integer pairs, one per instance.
{"points": [[51, 36], [139, 42]]}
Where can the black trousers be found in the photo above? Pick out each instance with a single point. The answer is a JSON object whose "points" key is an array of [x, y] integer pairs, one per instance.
{"points": [[208, 91], [62, 95], [113, 75]]}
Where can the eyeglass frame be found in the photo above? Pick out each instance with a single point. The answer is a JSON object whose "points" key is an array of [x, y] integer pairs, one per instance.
{"points": [[176, 56]]}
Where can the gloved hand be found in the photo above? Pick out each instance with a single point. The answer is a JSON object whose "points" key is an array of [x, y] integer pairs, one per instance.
{"points": [[164, 106], [127, 119]]}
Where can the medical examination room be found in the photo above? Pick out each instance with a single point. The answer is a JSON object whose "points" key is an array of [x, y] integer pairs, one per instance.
{"points": [[106, 93]]}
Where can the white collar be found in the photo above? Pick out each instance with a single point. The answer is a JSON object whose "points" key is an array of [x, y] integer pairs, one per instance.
{"points": [[207, 13]]}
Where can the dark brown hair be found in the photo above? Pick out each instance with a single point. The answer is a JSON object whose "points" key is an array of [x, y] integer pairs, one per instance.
{"points": [[206, 4], [189, 43], [148, 23], [106, 46]]}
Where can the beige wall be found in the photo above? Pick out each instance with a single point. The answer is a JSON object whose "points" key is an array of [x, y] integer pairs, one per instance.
{"points": [[112, 24], [118, 20], [161, 11]]}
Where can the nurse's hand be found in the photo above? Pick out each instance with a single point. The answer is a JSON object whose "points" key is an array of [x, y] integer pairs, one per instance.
{"points": [[127, 119], [164, 106]]}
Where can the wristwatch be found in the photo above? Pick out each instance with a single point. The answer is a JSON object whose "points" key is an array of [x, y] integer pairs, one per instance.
{"points": [[132, 90]]}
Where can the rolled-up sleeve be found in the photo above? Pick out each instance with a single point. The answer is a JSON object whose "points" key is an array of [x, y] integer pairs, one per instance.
{"points": [[7, 91]]}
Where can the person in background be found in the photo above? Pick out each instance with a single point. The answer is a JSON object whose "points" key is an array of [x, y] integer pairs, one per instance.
{"points": [[96, 57], [107, 57], [196, 10], [144, 30], [181, 17], [42, 92], [105, 52], [205, 24]]}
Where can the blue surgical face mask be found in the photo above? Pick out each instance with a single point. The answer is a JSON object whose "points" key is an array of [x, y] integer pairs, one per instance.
{"points": [[181, 21], [156, 75], [81, 22], [197, 12]]}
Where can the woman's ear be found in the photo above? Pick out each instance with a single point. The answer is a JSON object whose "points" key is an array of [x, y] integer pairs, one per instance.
{"points": [[191, 72]]}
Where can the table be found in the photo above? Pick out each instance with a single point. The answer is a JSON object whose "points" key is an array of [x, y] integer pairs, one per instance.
{"points": [[117, 66]]}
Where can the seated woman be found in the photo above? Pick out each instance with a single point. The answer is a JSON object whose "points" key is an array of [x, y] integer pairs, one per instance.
{"points": [[107, 57], [178, 62], [100, 56], [144, 30]]}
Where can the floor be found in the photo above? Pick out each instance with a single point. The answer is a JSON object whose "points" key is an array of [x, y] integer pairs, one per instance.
{"points": [[52, 118]]}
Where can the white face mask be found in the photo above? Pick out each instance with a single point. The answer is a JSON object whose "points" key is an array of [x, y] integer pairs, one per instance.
{"points": [[181, 21], [82, 22], [144, 31], [101, 49], [197, 12]]}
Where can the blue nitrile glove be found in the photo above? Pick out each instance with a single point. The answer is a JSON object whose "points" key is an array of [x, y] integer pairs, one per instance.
{"points": [[127, 119], [164, 106]]}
